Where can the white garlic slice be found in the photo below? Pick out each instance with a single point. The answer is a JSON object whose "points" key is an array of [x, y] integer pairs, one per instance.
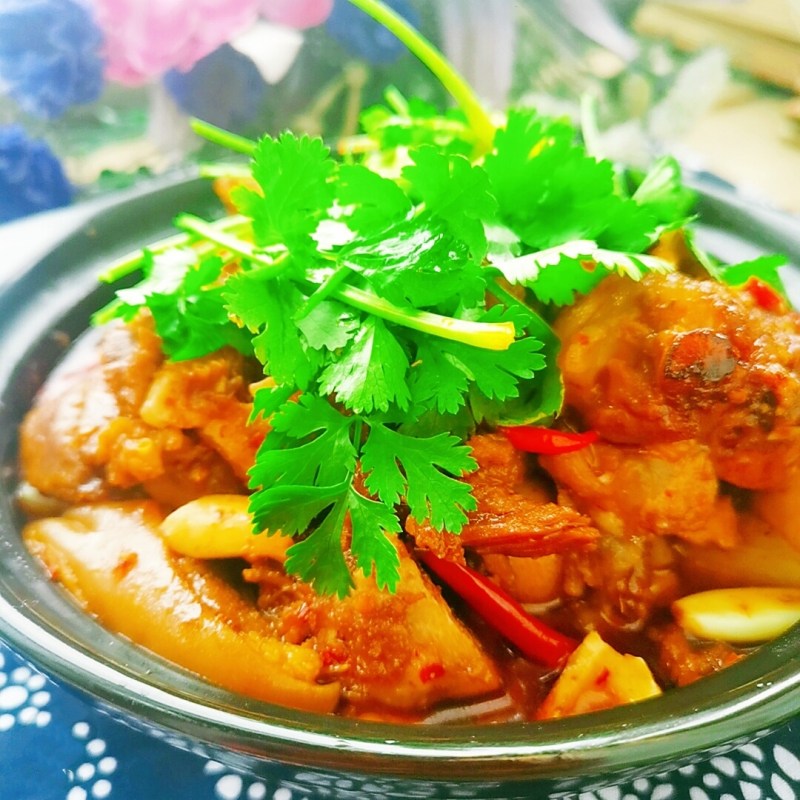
{"points": [[739, 615]]}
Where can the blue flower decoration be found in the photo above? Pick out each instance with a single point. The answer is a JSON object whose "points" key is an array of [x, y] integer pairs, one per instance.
{"points": [[225, 88], [364, 37], [49, 55], [31, 177]]}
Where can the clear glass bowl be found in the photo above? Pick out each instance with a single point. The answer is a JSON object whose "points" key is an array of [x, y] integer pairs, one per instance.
{"points": [[49, 302]]}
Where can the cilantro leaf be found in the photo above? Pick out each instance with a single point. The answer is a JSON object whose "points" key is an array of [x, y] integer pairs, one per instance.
{"points": [[437, 380], [540, 398], [371, 202], [303, 481], [418, 263], [503, 243], [296, 193], [408, 122], [550, 190], [372, 524], [183, 293], [319, 558], [267, 309], [556, 275], [328, 325], [268, 399], [663, 193], [290, 510], [423, 471], [370, 374], [497, 375], [309, 445], [512, 167], [764, 268], [456, 191], [559, 283]]}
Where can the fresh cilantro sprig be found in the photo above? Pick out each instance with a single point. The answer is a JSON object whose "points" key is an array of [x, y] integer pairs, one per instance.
{"points": [[182, 288], [479, 120], [365, 299], [399, 304]]}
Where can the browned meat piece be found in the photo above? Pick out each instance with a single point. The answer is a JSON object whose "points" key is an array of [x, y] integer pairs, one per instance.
{"points": [[529, 580], [105, 377], [665, 489], [402, 651], [526, 529], [621, 581], [515, 514], [672, 358], [208, 395], [682, 662], [766, 555], [115, 418]]}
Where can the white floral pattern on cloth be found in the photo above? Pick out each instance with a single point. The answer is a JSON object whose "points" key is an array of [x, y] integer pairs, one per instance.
{"points": [[23, 697], [56, 746]]}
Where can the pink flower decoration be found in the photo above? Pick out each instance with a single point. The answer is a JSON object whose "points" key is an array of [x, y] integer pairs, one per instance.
{"points": [[297, 13], [146, 38]]}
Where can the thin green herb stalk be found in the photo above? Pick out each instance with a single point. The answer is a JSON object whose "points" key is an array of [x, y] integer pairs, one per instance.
{"points": [[486, 335], [132, 261], [590, 130], [225, 171], [326, 288], [220, 136], [199, 227], [452, 81]]}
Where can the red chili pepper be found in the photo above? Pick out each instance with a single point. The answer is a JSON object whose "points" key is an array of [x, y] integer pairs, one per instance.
{"points": [[766, 296], [532, 637], [546, 441]]}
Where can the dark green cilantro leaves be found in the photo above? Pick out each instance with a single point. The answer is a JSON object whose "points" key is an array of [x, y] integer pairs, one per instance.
{"points": [[369, 202], [421, 470], [370, 374]]}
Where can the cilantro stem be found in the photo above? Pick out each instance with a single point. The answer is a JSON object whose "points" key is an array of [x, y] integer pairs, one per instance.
{"points": [[486, 335], [329, 285], [199, 227], [452, 81], [226, 170], [132, 261], [220, 136]]}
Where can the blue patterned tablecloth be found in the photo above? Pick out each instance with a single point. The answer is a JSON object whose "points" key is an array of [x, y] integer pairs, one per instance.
{"points": [[54, 746]]}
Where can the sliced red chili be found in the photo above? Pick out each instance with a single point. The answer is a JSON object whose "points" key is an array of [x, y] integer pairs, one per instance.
{"points": [[766, 296], [531, 636], [547, 441]]}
